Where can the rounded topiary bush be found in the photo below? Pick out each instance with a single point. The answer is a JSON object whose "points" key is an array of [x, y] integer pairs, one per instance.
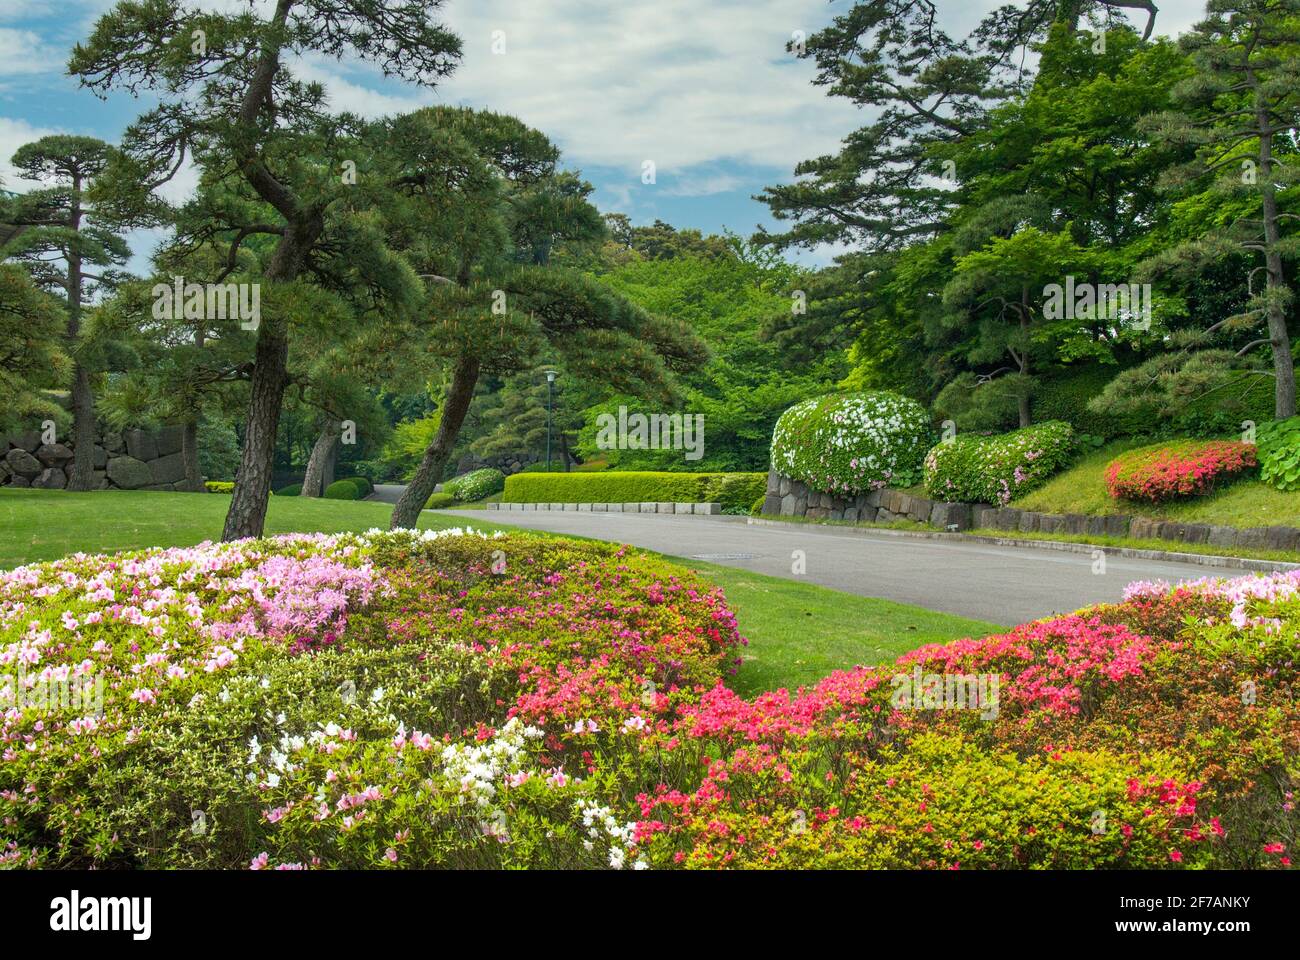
{"points": [[850, 442], [342, 490], [1168, 471], [364, 487], [977, 469], [439, 501], [292, 490], [476, 484]]}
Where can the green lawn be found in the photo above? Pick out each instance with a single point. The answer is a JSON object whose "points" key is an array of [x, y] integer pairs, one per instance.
{"points": [[1082, 489], [798, 632]]}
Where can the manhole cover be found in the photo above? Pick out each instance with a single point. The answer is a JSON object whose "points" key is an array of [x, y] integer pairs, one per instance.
{"points": [[724, 556]]}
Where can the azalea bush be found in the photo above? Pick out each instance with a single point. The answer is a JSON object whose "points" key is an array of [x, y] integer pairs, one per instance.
{"points": [[1169, 471], [475, 485], [450, 699], [997, 469], [848, 443]]}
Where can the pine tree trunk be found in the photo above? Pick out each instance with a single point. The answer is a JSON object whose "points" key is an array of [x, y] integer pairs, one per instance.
{"points": [[247, 514], [82, 471], [1284, 399], [190, 456], [313, 484], [459, 394]]}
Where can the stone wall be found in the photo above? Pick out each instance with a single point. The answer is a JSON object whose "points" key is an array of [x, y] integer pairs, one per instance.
{"points": [[130, 460], [790, 498], [506, 463]]}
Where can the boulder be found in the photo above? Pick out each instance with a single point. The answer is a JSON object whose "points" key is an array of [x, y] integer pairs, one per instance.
{"points": [[141, 445], [772, 504], [113, 444], [26, 441], [51, 478], [129, 473], [951, 516], [23, 464], [100, 456], [53, 454], [170, 440], [168, 469]]}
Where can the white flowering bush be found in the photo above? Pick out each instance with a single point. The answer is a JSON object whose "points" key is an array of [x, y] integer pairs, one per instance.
{"points": [[476, 485], [978, 469], [848, 443]]}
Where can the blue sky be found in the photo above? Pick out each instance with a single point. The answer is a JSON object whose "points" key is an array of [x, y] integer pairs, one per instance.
{"points": [[702, 88]]}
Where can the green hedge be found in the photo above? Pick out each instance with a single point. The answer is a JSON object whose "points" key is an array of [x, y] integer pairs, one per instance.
{"points": [[849, 442], [476, 484], [292, 490], [219, 486], [1279, 453], [364, 487], [439, 500], [342, 490], [732, 490], [975, 469]]}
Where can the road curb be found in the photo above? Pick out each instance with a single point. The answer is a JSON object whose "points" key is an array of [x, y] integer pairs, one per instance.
{"points": [[1061, 546]]}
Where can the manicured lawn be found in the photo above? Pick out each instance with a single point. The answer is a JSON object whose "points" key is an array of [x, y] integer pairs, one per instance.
{"points": [[48, 524], [798, 632], [1082, 489]]}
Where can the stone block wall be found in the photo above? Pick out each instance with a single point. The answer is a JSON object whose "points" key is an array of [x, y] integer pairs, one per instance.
{"points": [[130, 460], [790, 498]]}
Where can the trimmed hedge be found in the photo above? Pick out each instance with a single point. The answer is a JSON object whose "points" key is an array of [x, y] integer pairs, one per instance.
{"points": [[476, 484], [342, 490], [219, 486], [634, 486], [850, 442], [1168, 471], [975, 469], [292, 490], [364, 487], [1278, 445], [439, 501]]}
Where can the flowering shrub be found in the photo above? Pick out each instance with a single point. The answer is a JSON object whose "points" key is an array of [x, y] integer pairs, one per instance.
{"points": [[1278, 449], [457, 700], [1187, 469], [847, 443], [476, 484], [997, 469]]}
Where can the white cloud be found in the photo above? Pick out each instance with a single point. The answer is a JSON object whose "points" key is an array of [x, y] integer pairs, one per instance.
{"points": [[23, 51], [13, 134]]}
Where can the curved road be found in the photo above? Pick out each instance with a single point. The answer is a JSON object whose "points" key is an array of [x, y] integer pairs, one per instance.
{"points": [[1004, 585]]}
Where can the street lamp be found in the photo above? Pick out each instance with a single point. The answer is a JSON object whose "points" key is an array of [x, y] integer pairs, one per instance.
{"points": [[550, 402]]}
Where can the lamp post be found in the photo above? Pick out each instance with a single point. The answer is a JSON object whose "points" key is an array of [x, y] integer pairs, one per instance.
{"points": [[550, 402]]}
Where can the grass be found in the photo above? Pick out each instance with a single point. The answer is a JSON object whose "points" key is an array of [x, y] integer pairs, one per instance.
{"points": [[798, 632], [1082, 489]]}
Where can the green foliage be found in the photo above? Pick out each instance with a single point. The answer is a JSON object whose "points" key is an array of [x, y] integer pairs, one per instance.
{"points": [[218, 449], [629, 486], [735, 491], [219, 486], [439, 501], [405, 448], [975, 469], [1278, 443], [32, 357], [847, 443], [475, 485], [292, 490], [756, 508], [364, 487], [1066, 396], [342, 490]]}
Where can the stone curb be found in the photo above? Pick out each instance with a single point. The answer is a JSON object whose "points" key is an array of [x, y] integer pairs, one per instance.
{"points": [[1062, 546], [678, 509]]}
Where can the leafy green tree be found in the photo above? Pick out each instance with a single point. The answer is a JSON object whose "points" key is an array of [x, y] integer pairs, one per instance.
{"points": [[498, 303], [229, 101], [32, 358], [72, 249], [1241, 110]]}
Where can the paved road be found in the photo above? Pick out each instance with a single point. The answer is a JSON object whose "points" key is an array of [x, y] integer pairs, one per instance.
{"points": [[1005, 585]]}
